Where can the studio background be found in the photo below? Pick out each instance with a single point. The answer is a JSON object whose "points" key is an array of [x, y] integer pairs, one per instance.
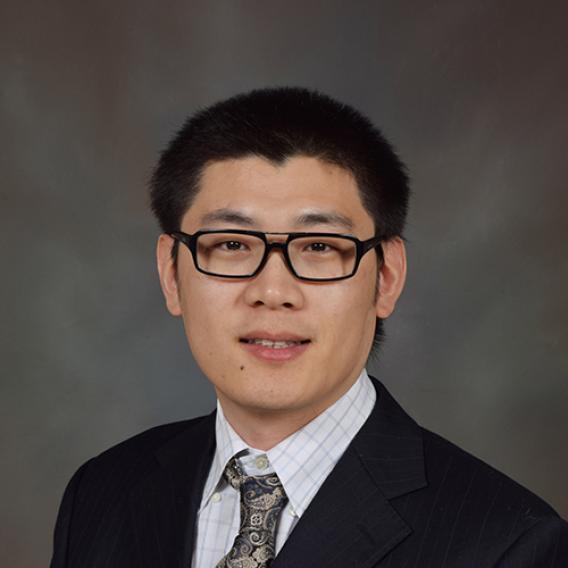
{"points": [[473, 95]]}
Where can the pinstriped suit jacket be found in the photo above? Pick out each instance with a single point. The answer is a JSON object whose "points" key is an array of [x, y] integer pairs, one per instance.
{"points": [[399, 497]]}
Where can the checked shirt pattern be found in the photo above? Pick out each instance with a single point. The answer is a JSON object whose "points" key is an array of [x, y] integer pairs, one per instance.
{"points": [[262, 501]]}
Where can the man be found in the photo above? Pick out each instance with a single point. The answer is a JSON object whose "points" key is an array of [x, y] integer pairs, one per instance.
{"points": [[282, 214]]}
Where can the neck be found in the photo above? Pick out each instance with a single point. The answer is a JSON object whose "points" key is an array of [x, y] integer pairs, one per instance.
{"points": [[264, 428]]}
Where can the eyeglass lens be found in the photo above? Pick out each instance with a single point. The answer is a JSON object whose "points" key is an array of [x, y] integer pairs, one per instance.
{"points": [[230, 254]]}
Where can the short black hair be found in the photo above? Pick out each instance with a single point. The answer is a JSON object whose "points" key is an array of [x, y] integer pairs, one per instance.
{"points": [[277, 124]]}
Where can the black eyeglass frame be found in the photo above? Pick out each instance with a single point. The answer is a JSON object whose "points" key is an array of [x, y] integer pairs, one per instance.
{"points": [[362, 247]]}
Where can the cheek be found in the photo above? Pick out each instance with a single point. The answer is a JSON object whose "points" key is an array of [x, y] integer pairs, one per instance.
{"points": [[344, 312], [205, 307], [206, 325]]}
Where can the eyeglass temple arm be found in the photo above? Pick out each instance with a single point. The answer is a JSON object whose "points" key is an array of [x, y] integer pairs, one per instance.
{"points": [[373, 242]]}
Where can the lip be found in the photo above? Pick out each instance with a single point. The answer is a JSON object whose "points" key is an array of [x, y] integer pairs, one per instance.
{"points": [[271, 336], [275, 355], [271, 354]]}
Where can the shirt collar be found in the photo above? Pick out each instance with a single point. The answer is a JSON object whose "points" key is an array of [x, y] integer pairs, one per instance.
{"points": [[228, 444], [304, 459]]}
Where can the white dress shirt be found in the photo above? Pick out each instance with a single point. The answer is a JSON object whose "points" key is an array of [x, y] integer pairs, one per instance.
{"points": [[302, 462]]}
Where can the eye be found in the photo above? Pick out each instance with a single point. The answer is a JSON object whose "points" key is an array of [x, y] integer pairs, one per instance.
{"points": [[318, 247], [231, 245]]}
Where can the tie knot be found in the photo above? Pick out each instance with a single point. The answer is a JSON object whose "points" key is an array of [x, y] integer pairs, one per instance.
{"points": [[234, 474], [260, 484]]}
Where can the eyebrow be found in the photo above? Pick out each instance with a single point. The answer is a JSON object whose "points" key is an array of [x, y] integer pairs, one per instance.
{"points": [[227, 216], [324, 218], [307, 219]]}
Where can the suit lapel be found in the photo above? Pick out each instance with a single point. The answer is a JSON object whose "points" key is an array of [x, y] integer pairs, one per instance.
{"points": [[164, 504], [350, 522]]}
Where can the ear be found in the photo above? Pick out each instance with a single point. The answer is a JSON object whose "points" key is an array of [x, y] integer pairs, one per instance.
{"points": [[392, 276], [168, 272]]}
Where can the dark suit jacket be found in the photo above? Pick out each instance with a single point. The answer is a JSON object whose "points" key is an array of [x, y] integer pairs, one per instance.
{"points": [[400, 496]]}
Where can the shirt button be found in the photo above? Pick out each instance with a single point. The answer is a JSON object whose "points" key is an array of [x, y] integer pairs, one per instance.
{"points": [[291, 512], [261, 462], [216, 497]]}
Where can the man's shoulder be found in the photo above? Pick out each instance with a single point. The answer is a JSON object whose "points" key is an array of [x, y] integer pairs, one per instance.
{"points": [[132, 456], [455, 476], [460, 506], [451, 468], [150, 439], [100, 495], [489, 510]]}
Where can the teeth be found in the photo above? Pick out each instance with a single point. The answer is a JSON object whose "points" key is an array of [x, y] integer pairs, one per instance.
{"points": [[273, 344]]}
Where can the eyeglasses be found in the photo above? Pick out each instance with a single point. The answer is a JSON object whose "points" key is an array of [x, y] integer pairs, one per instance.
{"points": [[316, 257]]}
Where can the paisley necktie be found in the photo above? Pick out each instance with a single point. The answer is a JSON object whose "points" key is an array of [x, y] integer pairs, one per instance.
{"points": [[262, 500]]}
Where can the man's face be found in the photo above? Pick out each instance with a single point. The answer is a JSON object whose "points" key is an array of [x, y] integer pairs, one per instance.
{"points": [[337, 318]]}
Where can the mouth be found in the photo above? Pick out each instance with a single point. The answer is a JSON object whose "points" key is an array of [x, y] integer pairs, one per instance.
{"points": [[273, 348], [280, 344]]}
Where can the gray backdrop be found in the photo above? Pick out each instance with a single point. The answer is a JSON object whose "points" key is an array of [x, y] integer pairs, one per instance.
{"points": [[473, 94]]}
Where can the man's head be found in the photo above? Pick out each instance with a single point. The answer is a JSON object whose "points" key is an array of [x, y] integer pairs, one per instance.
{"points": [[279, 161]]}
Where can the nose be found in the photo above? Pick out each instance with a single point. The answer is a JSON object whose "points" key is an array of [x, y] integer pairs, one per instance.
{"points": [[275, 286]]}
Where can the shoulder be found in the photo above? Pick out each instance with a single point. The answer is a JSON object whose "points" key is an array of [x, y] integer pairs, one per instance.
{"points": [[148, 441], [461, 507], [456, 472], [492, 515], [122, 464], [453, 475], [97, 494]]}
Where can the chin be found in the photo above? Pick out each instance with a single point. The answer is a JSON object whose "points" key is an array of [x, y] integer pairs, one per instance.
{"points": [[266, 397]]}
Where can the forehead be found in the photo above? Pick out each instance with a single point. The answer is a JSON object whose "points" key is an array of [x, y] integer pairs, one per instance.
{"points": [[278, 196]]}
